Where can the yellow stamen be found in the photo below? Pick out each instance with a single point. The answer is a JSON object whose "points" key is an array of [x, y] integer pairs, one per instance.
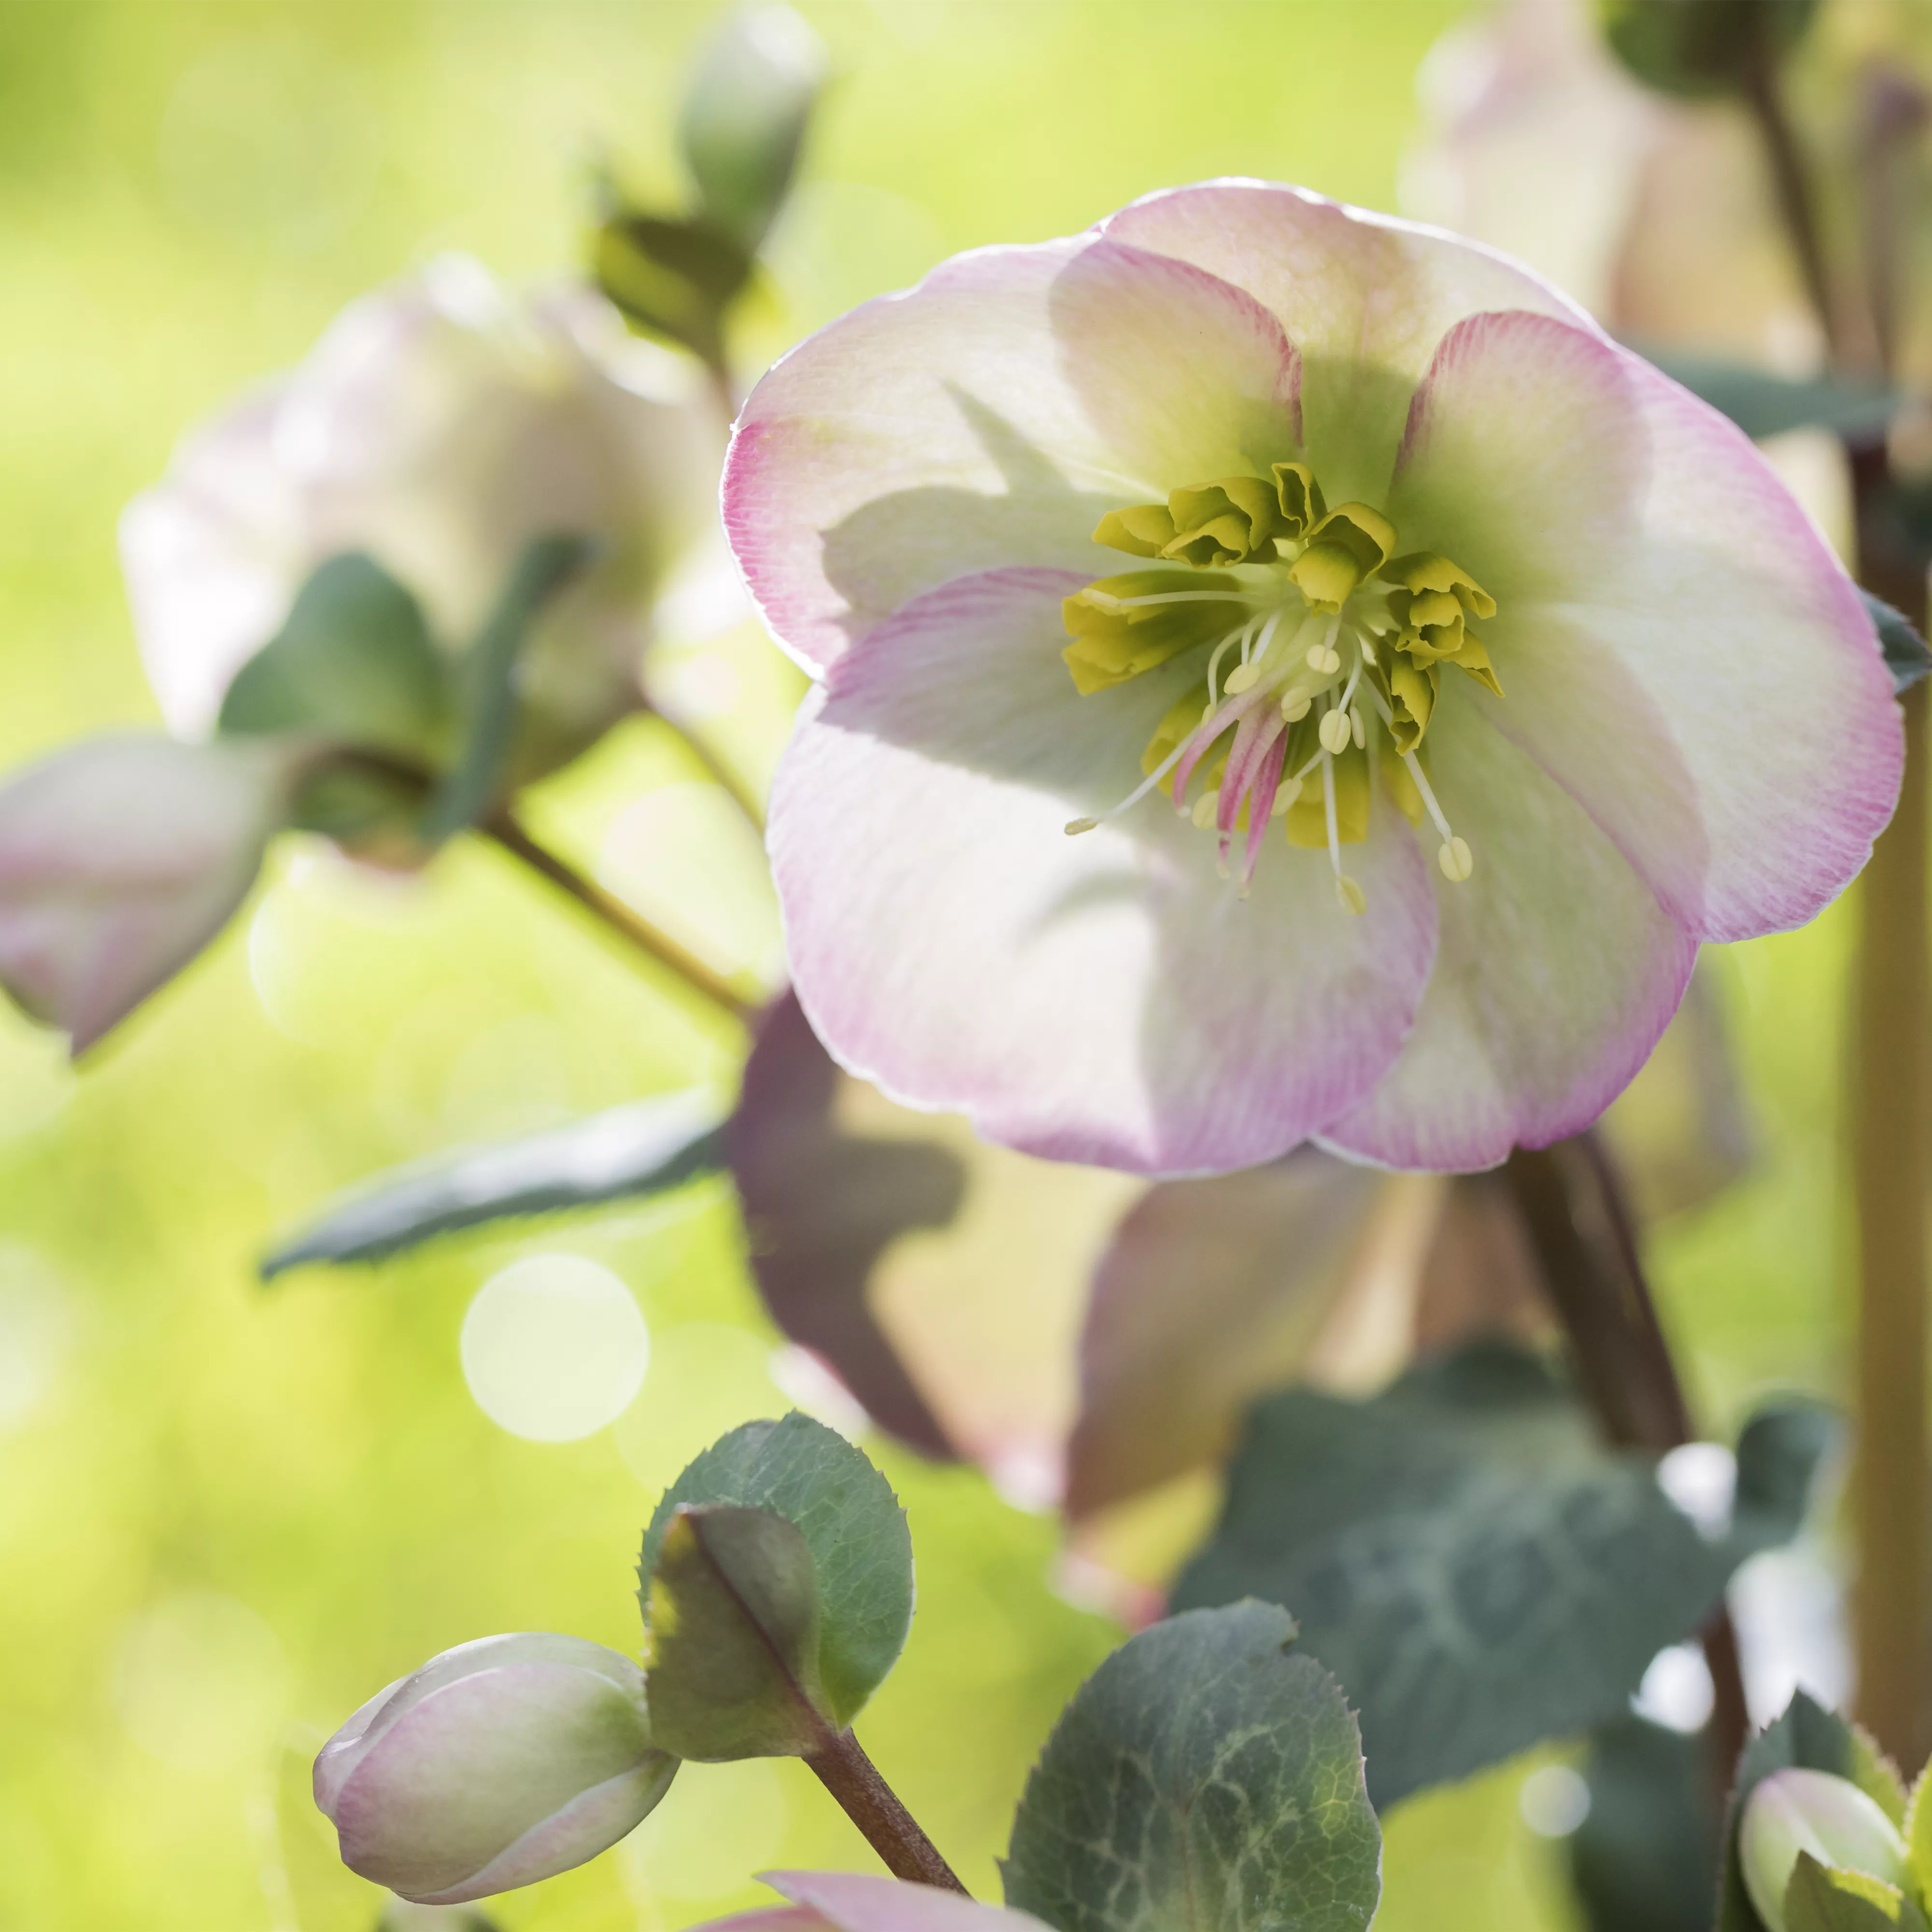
{"points": [[1455, 859]]}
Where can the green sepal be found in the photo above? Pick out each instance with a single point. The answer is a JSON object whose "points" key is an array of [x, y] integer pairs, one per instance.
{"points": [[1822, 1898], [852, 1525], [1694, 49], [672, 279], [1207, 1775], [1907, 656], [1763, 404], [353, 663], [488, 684], [731, 1666], [1917, 1830], [1807, 1737]]}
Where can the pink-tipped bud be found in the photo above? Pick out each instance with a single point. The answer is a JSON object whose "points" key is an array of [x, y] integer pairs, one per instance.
{"points": [[496, 1764], [1793, 1811]]}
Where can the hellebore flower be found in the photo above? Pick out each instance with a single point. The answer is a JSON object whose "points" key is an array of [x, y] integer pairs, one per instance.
{"points": [[1257, 506], [496, 1764], [440, 424], [863, 1902], [1796, 1810]]}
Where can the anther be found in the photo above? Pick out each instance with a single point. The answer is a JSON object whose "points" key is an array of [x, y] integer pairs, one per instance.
{"points": [[1454, 859], [1295, 704], [1075, 827], [1323, 658], [1205, 807], [1285, 798], [1353, 899], [1243, 677], [1334, 731], [1358, 730]]}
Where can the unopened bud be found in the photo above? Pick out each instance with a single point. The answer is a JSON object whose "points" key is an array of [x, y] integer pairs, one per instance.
{"points": [[1797, 1810], [496, 1764]]}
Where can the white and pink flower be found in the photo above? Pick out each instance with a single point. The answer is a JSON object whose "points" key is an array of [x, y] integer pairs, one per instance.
{"points": [[1264, 507]]}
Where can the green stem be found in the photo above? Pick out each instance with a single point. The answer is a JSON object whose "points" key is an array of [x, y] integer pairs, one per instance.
{"points": [[1796, 205], [616, 915], [870, 1803], [1572, 1204]]}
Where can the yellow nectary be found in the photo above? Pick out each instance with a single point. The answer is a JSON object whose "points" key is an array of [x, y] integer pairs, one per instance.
{"points": [[1305, 608]]}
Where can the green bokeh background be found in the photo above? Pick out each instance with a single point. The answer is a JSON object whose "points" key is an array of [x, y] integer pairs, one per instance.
{"points": [[228, 1515]]}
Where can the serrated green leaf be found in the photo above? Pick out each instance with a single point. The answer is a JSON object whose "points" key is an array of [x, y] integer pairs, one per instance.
{"points": [[732, 1666], [1821, 1898], [1645, 1858], [852, 1524], [1695, 49], [1206, 1776], [1763, 404], [745, 115], [1810, 1738], [674, 279], [1907, 656], [487, 682], [647, 1148], [353, 661], [1468, 1557]]}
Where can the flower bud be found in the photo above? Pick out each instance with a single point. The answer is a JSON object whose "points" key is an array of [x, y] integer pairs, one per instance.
{"points": [[496, 1764], [1797, 1811], [440, 424]]}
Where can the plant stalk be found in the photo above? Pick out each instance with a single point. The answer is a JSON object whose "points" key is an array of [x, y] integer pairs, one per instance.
{"points": [[844, 1770], [1796, 204], [715, 769], [617, 917], [1573, 1206]]}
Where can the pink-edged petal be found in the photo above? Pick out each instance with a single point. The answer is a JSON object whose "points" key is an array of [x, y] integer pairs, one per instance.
{"points": [[822, 1206], [1679, 647], [861, 1902], [1166, 1371], [990, 417], [1556, 972], [769, 1919], [120, 859], [1364, 297], [1105, 998]]}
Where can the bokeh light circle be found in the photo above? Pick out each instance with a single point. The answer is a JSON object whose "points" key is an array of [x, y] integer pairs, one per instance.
{"points": [[554, 1348]]}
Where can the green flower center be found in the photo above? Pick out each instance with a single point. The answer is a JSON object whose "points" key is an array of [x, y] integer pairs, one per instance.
{"points": [[1317, 647]]}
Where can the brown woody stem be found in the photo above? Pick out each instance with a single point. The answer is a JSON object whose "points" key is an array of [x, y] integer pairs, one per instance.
{"points": [[1572, 1204], [1792, 189], [615, 917], [870, 1803]]}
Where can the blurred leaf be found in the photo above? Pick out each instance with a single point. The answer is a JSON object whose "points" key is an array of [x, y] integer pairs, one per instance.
{"points": [[354, 662], [672, 278], [1695, 48], [731, 1669], [1164, 1377], [1763, 404], [745, 115], [1820, 1898], [401, 1915], [822, 1205], [1906, 654], [851, 1522], [646, 1148], [1472, 1562], [1917, 1831], [120, 859], [1645, 1858], [1812, 1738], [488, 683], [1204, 1769]]}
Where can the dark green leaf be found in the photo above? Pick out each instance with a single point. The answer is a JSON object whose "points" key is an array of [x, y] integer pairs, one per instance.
{"points": [[488, 676], [1812, 1738], [1696, 48], [1761, 404], [731, 1669], [1471, 1561], [1906, 654], [1206, 1776], [851, 1522], [1645, 1858], [353, 662], [1821, 1899], [674, 279], [745, 115], [645, 1148]]}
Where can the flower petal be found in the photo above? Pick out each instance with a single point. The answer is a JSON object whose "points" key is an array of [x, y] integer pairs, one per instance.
{"points": [[1364, 297], [1556, 974], [120, 859], [864, 1902], [1679, 647], [991, 417], [1105, 998]]}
